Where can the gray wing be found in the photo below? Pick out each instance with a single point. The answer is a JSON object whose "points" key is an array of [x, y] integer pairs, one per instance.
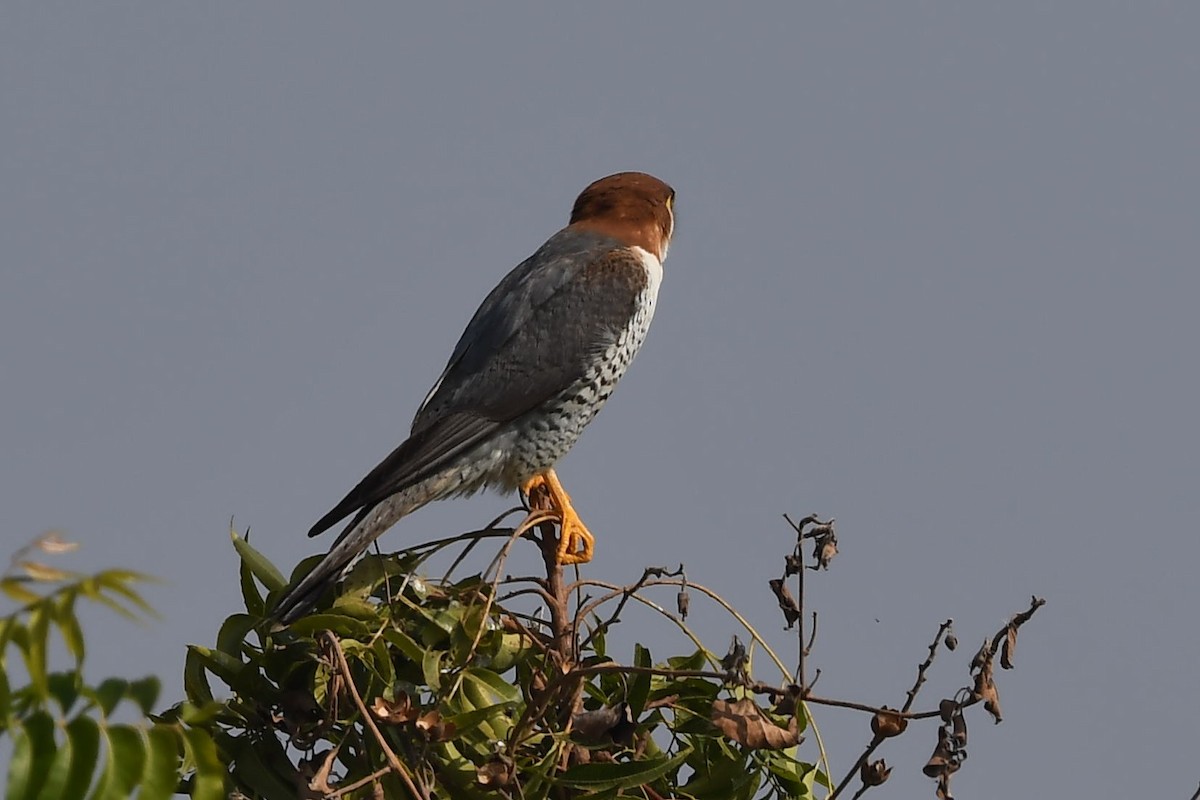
{"points": [[534, 335]]}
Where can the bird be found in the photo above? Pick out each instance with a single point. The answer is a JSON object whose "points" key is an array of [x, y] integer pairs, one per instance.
{"points": [[534, 365]]}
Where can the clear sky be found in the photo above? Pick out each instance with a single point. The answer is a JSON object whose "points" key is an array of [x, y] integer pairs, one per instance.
{"points": [[935, 275]]}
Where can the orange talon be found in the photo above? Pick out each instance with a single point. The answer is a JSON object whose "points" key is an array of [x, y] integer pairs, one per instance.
{"points": [[575, 543]]}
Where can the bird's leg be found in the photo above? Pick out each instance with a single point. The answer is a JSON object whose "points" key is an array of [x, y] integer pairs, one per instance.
{"points": [[575, 542]]}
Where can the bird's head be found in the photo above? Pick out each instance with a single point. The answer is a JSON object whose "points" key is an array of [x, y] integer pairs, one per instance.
{"points": [[633, 207]]}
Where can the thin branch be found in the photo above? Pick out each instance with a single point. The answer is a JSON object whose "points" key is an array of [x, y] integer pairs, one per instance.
{"points": [[358, 784], [626, 593], [396, 765]]}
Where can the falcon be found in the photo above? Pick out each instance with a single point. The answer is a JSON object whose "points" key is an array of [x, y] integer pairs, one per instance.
{"points": [[537, 361]]}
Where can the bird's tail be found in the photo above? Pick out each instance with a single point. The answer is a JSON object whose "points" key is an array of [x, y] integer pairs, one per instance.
{"points": [[364, 529]]}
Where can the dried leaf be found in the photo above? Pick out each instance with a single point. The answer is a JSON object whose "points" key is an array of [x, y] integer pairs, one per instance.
{"points": [[735, 660], [951, 642], [825, 548], [787, 603], [985, 690], [1008, 649], [54, 544], [944, 760], [43, 572], [683, 602], [959, 726], [983, 656], [745, 723]]}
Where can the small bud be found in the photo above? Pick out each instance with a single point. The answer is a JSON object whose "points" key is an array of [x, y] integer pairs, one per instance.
{"points": [[951, 642]]}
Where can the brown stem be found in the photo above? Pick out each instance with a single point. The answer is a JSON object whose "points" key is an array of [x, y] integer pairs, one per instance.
{"points": [[396, 765]]}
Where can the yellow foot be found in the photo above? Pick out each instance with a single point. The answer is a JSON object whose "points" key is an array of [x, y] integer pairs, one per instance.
{"points": [[575, 544]]}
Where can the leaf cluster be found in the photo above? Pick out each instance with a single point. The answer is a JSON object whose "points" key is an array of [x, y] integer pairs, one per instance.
{"points": [[65, 740], [404, 685]]}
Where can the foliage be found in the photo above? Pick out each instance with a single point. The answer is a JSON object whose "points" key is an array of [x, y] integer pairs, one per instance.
{"points": [[416, 687], [474, 686], [65, 741]]}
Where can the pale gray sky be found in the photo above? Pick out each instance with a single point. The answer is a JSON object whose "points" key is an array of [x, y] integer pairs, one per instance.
{"points": [[935, 274]]}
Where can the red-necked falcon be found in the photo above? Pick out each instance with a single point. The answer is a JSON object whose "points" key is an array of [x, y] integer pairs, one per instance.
{"points": [[535, 364]]}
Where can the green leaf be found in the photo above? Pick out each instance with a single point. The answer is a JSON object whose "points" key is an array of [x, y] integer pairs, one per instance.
{"points": [[68, 625], [233, 634], [697, 660], [65, 688], [160, 778], [496, 687], [209, 780], [123, 767], [144, 692], [83, 734], [117, 581], [252, 771], [231, 670], [405, 644], [639, 684], [34, 649], [259, 565], [14, 587], [598, 777], [58, 772], [722, 778], [431, 667], [33, 752], [110, 692], [345, 627], [251, 597], [195, 679]]}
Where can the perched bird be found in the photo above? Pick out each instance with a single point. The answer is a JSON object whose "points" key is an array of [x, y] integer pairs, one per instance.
{"points": [[535, 364]]}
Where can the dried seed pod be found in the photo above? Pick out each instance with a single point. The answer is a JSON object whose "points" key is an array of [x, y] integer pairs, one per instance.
{"points": [[874, 773], [887, 723]]}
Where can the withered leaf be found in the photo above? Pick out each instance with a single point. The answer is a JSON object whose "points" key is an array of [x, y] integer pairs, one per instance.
{"points": [[983, 656], [52, 542], [825, 549], [787, 603], [944, 760], [745, 723], [735, 660], [1008, 649], [985, 690]]}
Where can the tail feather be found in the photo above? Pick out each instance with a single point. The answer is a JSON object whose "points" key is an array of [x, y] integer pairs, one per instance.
{"points": [[356, 538]]}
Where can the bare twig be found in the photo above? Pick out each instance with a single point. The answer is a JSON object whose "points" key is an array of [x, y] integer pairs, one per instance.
{"points": [[358, 784], [626, 593], [926, 664], [394, 763]]}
